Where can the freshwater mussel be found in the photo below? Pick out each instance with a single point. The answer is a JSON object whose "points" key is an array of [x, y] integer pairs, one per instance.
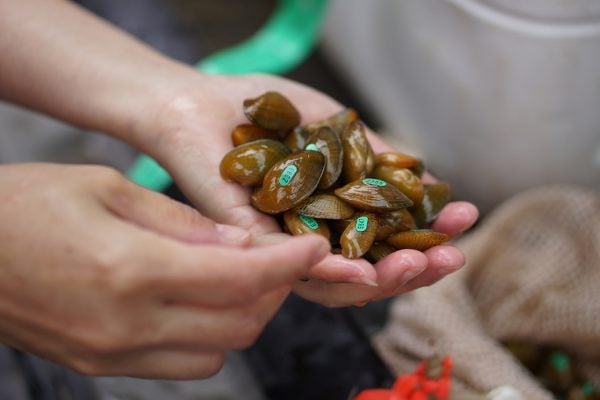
{"points": [[323, 177]]}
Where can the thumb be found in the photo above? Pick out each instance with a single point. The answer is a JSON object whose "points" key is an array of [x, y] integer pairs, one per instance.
{"points": [[157, 212]]}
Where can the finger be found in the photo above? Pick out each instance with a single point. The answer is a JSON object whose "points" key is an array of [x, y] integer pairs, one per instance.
{"points": [[337, 268], [224, 276], [442, 261], [398, 268], [455, 218], [159, 364], [334, 294], [237, 327], [158, 213]]}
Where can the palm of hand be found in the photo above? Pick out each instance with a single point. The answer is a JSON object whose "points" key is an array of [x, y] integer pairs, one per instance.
{"points": [[200, 139]]}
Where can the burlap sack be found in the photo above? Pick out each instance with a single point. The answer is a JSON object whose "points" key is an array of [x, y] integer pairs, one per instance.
{"points": [[532, 273]]}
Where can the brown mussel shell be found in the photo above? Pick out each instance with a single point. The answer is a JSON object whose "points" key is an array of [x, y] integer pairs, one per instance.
{"points": [[296, 139], [245, 133], [419, 239], [337, 121], [358, 154], [396, 159], [437, 195], [378, 251], [289, 182], [359, 235], [393, 222], [248, 163], [373, 195], [404, 179], [325, 206], [272, 111], [298, 224], [328, 142]]}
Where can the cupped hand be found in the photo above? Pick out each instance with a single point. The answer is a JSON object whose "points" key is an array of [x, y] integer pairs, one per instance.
{"points": [[111, 279], [194, 134]]}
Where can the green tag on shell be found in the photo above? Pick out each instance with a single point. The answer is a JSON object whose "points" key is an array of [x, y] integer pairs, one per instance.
{"points": [[309, 222], [361, 224], [287, 175], [374, 182], [311, 147]]}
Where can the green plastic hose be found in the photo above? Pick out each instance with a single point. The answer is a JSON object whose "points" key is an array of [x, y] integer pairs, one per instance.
{"points": [[285, 40]]}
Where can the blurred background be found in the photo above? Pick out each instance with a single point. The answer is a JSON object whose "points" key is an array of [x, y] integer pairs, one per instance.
{"points": [[497, 96]]}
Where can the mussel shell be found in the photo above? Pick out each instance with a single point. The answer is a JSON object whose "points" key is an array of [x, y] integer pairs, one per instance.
{"points": [[325, 206], [296, 139], [404, 179], [328, 142], [245, 133], [298, 224], [437, 195], [359, 235], [248, 163], [393, 222], [289, 182], [337, 121], [378, 251], [373, 195], [419, 239], [358, 154], [396, 159], [273, 111]]}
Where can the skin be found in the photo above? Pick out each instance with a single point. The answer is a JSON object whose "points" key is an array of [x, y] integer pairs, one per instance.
{"points": [[86, 249]]}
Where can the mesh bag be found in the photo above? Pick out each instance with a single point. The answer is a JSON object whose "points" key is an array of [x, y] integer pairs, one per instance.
{"points": [[532, 274]]}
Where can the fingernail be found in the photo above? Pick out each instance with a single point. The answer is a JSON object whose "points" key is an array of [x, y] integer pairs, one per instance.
{"points": [[322, 252], [412, 273], [229, 234]]}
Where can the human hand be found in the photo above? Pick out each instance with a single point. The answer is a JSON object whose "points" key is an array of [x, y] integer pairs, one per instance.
{"points": [[194, 136], [108, 278]]}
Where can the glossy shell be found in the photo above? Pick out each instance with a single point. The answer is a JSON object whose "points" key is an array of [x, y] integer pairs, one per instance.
{"points": [[272, 111], [337, 122], [373, 195], [325, 206], [358, 154], [247, 164], [328, 142], [396, 159], [393, 222], [245, 133], [420, 239], [289, 182], [437, 195], [296, 139], [403, 179], [298, 224], [359, 235], [378, 251]]}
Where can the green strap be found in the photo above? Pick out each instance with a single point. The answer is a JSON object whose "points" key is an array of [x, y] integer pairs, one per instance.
{"points": [[285, 40]]}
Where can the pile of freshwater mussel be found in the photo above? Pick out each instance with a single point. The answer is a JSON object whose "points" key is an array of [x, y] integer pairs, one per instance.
{"points": [[324, 178]]}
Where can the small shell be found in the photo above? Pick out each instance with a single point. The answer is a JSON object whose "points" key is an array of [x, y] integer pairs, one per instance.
{"points": [[289, 182], [245, 133], [358, 154], [328, 142], [437, 195], [419, 239], [396, 159], [325, 206], [393, 222], [359, 235], [337, 122], [404, 179], [373, 195], [248, 163], [298, 224], [296, 139], [272, 111], [378, 251]]}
